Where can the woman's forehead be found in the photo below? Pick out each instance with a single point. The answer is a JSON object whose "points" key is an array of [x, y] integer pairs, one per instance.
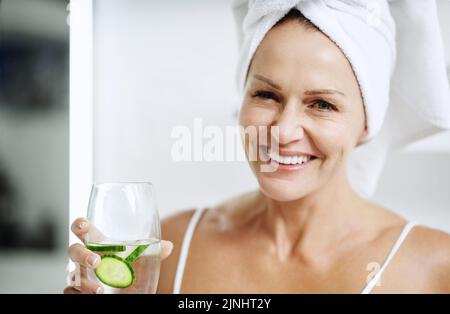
{"points": [[293, 52]]}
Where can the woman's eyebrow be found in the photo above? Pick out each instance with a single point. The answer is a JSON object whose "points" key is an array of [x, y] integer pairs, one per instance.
{"points": [[323, 91], [308, 92], [267, 80]]}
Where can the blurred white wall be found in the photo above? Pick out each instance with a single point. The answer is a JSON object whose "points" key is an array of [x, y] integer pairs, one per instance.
{"points": [[158, 65], [162, 64]]}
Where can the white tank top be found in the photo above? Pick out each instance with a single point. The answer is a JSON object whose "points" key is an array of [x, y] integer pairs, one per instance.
{"points": [[198, 213]]}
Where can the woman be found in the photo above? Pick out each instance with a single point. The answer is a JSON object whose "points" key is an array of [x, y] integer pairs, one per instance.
{"points": [[305, 230]]}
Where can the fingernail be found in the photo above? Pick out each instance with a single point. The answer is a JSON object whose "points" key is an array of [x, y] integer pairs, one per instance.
{"points": [[98, 290], [82, 225], [92, 260]]}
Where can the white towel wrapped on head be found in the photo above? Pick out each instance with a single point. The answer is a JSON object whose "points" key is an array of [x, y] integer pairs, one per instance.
{"points": [[396, 51]]}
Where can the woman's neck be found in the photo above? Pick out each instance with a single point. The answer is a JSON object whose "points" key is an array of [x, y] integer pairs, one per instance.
{"points": [[308, 228]]}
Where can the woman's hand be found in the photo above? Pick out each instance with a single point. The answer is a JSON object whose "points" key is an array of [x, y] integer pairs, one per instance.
{"points": [[79, 254]]}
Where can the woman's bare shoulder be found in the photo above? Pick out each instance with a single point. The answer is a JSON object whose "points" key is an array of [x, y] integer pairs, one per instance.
{"points": [[172, 223], [422, 264], [173, 228], [434, 244], [433, 247]]}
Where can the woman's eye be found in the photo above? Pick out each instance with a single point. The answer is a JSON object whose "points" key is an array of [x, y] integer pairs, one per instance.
{"points": [[266, 95], [324, 106]]}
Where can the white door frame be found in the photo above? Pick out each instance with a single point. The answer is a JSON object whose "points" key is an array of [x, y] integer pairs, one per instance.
{"points": [[81, 148]]}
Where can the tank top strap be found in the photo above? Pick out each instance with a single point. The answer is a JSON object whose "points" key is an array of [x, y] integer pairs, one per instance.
{"points": [[406, 229], [185, 248]]}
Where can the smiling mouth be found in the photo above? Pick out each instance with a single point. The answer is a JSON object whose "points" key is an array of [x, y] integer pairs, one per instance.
{"points": [[287, 159]]}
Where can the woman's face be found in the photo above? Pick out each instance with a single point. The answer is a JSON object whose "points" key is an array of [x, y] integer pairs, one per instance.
{"points": [[300, 83]]}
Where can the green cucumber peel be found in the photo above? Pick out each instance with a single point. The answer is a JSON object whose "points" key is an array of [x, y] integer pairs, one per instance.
{"points": [[105, 247], [136, 252]]}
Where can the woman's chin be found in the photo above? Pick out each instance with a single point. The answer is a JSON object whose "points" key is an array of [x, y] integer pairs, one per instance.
{"points": [[283, 192]]}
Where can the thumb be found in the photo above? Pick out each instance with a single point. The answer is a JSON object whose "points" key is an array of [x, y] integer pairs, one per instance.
{"points": [[166, 248]]}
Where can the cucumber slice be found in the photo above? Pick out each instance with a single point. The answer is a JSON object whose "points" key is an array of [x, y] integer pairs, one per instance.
{"points": [[137, 251], [115, 272], [105, 247]]}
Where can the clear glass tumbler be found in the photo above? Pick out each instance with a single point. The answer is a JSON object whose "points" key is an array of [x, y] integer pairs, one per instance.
{"points": [[126, 233]]}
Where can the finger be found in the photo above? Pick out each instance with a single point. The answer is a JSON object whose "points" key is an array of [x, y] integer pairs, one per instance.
{"points": [[71, 290], [89, 287], [80, 227], [166, 248], [80, 254]]}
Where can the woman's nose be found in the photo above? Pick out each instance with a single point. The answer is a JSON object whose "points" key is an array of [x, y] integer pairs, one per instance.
{"points": [[290, 124]]}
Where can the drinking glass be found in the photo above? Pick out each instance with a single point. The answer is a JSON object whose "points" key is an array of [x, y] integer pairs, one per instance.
{"points": [[126, 233]]}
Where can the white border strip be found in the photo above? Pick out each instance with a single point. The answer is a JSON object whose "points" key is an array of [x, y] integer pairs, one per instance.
{"points": [[81, 108]]}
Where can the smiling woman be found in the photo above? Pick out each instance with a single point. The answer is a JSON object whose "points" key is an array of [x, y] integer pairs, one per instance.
{"points": [[305, 229], [310, 89]]}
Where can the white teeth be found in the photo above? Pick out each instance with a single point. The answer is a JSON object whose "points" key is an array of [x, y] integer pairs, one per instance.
{"points": [[288, 160]]}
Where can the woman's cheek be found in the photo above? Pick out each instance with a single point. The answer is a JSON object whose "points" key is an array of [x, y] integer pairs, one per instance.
{"points": [[256, 116], [330, 138]]}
